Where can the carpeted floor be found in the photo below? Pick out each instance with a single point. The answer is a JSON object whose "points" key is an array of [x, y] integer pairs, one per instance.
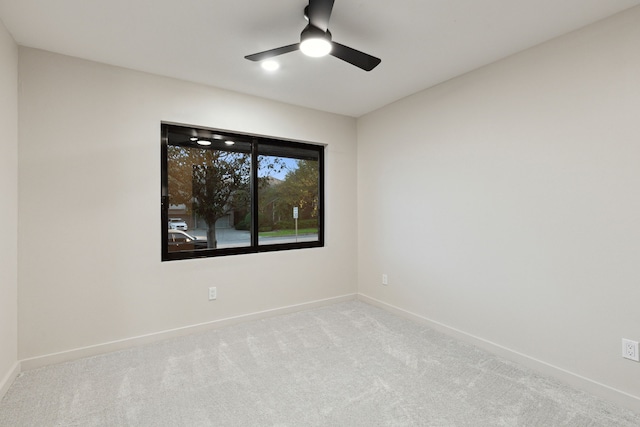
{"points": [[348, 364]]}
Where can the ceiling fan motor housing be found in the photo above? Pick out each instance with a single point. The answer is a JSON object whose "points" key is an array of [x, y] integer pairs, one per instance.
{"points": [[315, 42], [311, 32]]}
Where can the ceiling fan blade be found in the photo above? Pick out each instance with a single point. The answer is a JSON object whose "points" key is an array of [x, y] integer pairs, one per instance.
{"points": [[354, 57], [273, 52], [319, 12]]}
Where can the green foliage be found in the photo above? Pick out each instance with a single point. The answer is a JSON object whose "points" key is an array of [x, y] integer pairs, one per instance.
{"points": [[264, 223], [283, 233], [298, 189], [302, 223], [308, 223], [245, 223]]}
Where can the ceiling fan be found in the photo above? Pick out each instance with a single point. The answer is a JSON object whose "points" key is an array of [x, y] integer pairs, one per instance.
{"points": [[315, 40]]}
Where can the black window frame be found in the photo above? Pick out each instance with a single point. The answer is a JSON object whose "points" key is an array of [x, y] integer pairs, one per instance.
{"points": [[259, 144]]}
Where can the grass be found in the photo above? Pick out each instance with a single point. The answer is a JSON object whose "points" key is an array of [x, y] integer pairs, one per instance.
{"points": [[281, 233]]}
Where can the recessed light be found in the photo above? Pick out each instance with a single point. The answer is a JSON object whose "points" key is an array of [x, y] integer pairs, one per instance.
{"points": [[204, 142], [270, 65], [229, 142], [194, 138]]}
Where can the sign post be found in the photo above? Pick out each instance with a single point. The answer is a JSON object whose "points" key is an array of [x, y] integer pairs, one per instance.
{"points": [[295, 218]]}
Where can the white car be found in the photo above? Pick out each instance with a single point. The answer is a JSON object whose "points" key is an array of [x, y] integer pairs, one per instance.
{"points": [[177, 224]]}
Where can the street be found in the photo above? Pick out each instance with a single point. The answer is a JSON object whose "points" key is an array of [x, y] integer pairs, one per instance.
{"points": [[232, 238]]}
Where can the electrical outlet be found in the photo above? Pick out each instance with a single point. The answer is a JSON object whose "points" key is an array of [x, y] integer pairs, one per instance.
{"points": [[213, 293], [385, 279], [630, 350]]}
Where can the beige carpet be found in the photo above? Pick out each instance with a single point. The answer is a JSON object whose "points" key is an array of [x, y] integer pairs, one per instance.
{"points": [[348, 364]]}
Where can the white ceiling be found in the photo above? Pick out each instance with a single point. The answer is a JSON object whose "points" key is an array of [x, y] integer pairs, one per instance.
{"points": [[421, 42]]}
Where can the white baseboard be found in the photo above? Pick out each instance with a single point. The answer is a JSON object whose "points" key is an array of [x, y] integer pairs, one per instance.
{"points": [[94, 350], [603, 391], [6, 382]]}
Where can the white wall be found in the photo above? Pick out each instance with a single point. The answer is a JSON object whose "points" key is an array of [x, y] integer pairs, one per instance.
{"points": [[8, 207], [89, 169], [505, 204]]}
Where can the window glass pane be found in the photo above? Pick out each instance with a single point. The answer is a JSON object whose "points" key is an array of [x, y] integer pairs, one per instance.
{"points": [[225, 193], [209, 193], [288, 199]]}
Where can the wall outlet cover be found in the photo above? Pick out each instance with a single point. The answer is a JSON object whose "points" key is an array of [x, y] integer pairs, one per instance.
{"points": [[630, 350]]}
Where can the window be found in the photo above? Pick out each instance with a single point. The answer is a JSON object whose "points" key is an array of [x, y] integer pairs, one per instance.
{"points": [[225, 193]]}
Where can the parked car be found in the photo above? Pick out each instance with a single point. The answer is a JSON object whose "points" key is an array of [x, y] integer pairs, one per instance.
{"points": [[177, 224], [180, 241]]}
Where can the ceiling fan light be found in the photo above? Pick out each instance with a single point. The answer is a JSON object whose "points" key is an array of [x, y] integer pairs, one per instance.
{"points": [[315, 47], [315, 42]]}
